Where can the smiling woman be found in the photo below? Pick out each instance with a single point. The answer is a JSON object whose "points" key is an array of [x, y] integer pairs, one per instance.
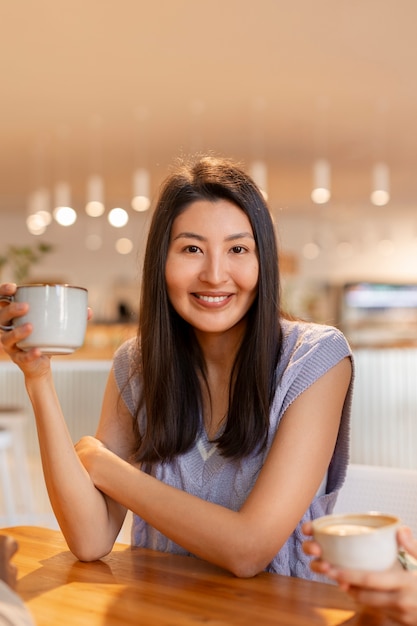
{"points": [[224, 424], [212, 269]]}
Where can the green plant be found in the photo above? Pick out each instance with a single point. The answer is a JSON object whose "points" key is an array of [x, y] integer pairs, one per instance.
{"points": [[21, 259]]}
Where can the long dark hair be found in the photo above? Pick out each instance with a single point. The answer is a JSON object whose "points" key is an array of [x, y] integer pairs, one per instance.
{"points": [[170, 357]]}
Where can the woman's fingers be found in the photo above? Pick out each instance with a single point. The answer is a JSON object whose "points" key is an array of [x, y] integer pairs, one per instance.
{"points": [[7, 289]]}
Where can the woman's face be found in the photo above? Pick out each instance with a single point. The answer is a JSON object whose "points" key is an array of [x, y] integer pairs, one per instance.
{"points": [[212, 265]]}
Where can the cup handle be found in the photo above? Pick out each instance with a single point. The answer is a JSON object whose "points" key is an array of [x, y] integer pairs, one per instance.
{"points": [[6, 299]]}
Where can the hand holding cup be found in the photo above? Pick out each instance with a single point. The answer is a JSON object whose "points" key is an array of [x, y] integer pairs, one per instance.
{"points": [[57, 315], [361, 541]]}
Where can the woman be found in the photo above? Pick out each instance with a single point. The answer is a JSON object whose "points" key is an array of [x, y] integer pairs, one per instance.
{"points": [[393, 592], [224, 425]]}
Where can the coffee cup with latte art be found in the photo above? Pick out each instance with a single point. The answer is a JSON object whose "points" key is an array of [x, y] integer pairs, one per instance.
{"points": [[365, 541]]}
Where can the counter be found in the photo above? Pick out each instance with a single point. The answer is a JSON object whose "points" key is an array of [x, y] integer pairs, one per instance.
{"points": [[101, 342]]}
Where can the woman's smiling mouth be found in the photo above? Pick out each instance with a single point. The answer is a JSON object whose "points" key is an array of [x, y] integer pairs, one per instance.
{"points": [[211, 299]]}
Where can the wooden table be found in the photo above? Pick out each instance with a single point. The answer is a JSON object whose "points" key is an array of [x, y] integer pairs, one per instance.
{"points": [[144, 588]]}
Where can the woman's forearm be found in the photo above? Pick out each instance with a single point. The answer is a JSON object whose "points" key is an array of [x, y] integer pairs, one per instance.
{"points": [[80, 509], [210, 531]]}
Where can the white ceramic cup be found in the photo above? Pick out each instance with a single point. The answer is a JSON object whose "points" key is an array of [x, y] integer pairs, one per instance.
{"points": [[58, 314], [364, 541]]}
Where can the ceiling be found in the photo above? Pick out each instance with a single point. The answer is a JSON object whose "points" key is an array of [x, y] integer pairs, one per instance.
{"points": [[104, 86]]}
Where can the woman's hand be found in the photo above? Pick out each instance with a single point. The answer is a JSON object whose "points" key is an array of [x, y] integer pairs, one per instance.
{"points": [[88, 449], [312, 548], [33, 363], [407, 541], [393, 592]]}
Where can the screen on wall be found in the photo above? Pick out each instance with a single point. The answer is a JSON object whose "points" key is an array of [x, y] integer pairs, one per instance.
{"points": [[379, 313]]}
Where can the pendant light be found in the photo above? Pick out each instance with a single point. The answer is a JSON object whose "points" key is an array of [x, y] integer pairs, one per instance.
{"points": [[63, 212], [258, 168], [95, 184], [321, 191], [380, 194], [141, 178], [321, 181]]}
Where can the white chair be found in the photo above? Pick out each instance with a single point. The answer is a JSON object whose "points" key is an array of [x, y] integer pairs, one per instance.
{"points": [[384, 489], [6, 442], [15, 465]]}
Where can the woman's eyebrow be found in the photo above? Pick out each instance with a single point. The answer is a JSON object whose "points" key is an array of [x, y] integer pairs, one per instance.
{"points": [[239, 236], [189, 235]]}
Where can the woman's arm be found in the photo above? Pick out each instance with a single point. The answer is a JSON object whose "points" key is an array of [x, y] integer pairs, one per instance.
{"points": [[89, 521], [244, 541]]}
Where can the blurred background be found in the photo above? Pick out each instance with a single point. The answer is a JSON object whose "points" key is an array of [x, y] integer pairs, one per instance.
{"points": [[317, 100]]}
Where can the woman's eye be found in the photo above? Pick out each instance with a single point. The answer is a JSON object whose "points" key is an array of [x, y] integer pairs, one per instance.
{"points": [[192, 249], [238, 249]]}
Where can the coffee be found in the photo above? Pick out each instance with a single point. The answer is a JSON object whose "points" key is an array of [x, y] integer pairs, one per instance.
{"points": [[365, 541], [346, 529]]}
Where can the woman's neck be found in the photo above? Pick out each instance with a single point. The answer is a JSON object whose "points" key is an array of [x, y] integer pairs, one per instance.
{"points": [[220, 349], [219, 352]]}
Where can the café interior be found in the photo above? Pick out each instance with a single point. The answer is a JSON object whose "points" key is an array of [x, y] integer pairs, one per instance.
{"points": [[316, 100]]}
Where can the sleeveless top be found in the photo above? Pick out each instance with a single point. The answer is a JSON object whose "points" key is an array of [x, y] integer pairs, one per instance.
{"points": [[309, 351]]}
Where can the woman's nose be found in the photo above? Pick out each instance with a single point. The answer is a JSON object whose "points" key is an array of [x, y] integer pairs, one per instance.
{"points": [[214, 269]]}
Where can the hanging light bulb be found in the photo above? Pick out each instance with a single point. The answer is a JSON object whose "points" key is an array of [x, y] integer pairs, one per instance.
{"points": [[124, 245], [141, 178], [38, 211], [64, 214], [35, 224], [259, 173], [118, 217], [141, 184], [321, 182], [95, 196], [381, 184]]}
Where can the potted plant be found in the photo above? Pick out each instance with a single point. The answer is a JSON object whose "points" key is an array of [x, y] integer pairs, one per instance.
{"points": [[21, 258]]}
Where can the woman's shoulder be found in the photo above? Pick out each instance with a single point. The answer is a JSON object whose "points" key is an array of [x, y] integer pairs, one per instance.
{"points": [[126, 356], [294, 330], [126, 368], [300, 338], [128, 347]]}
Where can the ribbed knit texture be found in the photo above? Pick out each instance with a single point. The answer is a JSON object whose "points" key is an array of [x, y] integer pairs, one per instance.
{"points": [[309, 350]]}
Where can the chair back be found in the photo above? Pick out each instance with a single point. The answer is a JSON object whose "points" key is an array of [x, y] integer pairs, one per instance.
{"points": [[384, 489]]}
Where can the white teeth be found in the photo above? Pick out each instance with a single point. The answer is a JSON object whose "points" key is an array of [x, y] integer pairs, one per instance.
{"points": [[212, 298]]}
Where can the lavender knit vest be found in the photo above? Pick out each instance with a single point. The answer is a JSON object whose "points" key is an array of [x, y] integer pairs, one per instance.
{"points": [[309, 350]]}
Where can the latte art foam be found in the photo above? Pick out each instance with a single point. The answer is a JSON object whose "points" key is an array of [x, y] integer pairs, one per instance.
{"points": [[347, 529]]}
